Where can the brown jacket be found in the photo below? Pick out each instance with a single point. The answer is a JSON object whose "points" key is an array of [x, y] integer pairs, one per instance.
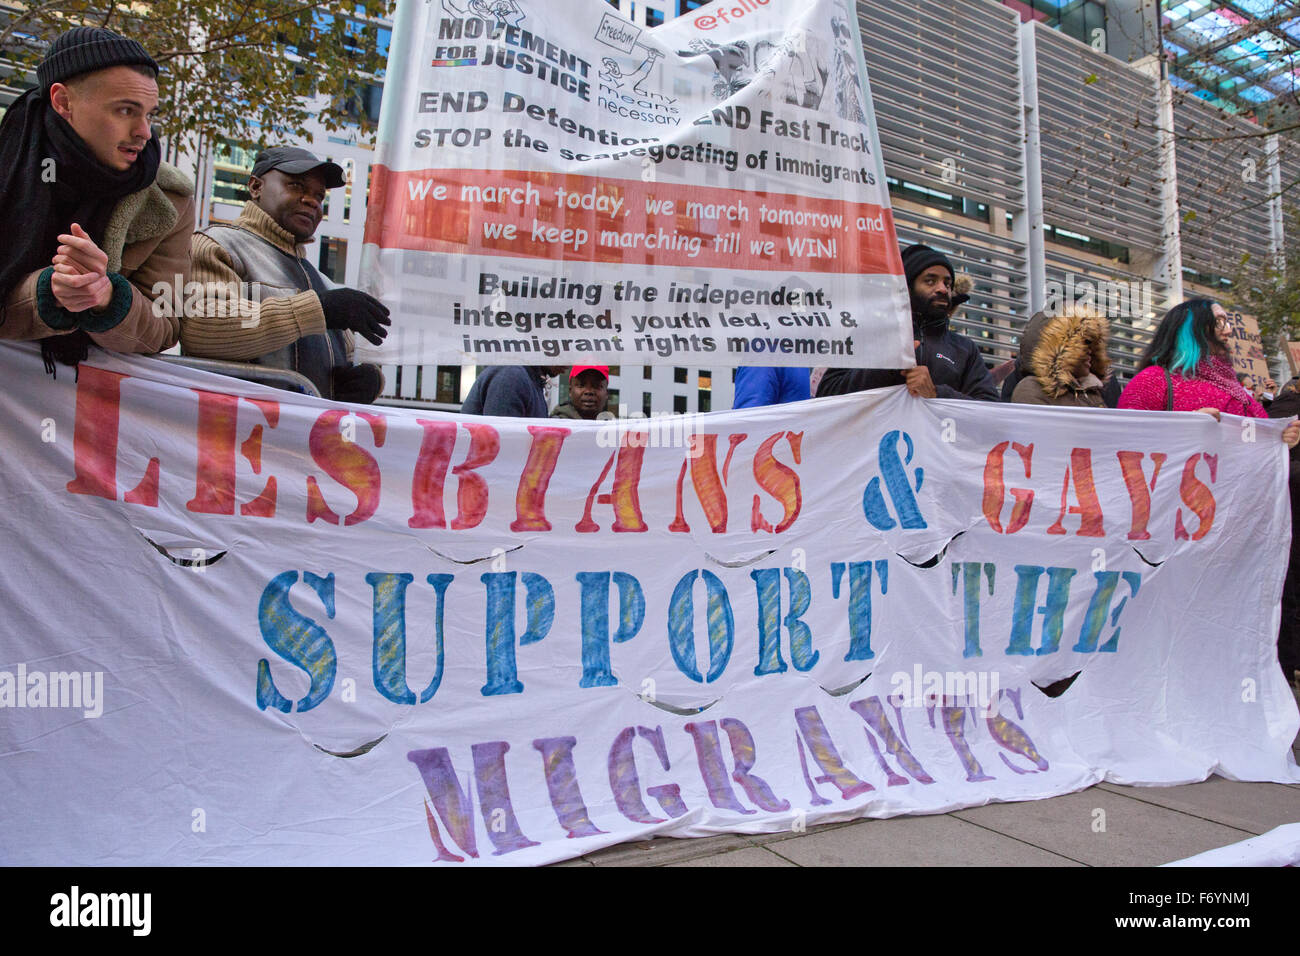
{"points": [[1051, 351], [214, 330], [148, 242]]}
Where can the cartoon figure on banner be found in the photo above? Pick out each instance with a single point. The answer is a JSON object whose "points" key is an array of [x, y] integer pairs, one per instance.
{"points": [[730, 62], [613, 75], [793, 75], [848, 89], [503, 11], [623, 36]]}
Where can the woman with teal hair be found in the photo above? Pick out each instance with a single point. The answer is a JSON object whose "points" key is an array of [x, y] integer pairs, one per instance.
{"points": [[1187, 368]]}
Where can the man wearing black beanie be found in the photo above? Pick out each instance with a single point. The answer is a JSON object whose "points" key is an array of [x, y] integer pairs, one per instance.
{"points": [[96, 227], [948, 365]]}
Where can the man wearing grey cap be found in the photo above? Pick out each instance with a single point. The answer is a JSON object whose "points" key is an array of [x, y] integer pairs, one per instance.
{"points": [[264, 302], [96, 227]]}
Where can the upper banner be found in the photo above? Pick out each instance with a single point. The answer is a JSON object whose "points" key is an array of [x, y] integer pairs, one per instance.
{"points": [[245, 626], [554, 184]]}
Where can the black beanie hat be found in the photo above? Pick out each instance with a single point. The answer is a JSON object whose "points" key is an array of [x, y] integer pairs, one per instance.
{"points": [[86, 49], [918, 258]]}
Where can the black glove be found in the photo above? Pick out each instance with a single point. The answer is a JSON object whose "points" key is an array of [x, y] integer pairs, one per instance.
{"points": [[359, 384], [350, 309]]}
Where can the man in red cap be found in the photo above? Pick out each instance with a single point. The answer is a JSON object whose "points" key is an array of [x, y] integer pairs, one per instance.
{"points": [[588, 393]]}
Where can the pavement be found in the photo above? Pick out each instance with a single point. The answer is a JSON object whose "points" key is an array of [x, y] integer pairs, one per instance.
{"points": [[1143, 826]]}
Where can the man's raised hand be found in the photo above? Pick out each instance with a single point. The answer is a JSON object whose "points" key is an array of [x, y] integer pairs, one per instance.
{"points": [[350, 309], [80, 279]]}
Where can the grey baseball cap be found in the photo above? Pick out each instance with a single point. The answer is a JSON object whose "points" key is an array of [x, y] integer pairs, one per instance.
{"points": [[295, 160]]}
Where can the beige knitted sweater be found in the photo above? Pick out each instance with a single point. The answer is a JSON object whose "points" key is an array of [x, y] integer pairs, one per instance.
{"points": [[233, 322]]}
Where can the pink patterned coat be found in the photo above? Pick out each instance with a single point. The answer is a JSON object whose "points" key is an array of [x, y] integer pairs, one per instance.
{"points": [[1147, 391]]}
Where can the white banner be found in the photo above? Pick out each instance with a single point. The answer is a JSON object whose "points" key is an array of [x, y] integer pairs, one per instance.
{"points": [[1278, 847], [554, 184], [244, 626]]}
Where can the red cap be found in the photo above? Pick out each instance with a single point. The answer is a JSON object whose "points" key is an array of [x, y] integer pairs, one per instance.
{"points": [[579, 369]]}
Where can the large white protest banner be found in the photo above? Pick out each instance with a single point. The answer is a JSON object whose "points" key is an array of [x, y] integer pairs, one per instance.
{"points": [[555, 184], [245, 626]]}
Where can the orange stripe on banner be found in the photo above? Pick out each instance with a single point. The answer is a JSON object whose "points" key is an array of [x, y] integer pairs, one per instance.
{"points": [[537, 215]]}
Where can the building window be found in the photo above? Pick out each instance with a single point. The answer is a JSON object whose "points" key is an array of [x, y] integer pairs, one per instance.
{"points": [[706, 400], [648, 372], [360, 102], [232, 166], [645, 404], [679, 376], [349, 175], [230, 186], [448, 384], [679, 404], [1075, 240], [653, 17], [334, 259], [940, 200], [1211, 279]]}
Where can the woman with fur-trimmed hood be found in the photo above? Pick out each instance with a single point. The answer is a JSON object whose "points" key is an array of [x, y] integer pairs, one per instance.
{"points": [[1063, 359]]}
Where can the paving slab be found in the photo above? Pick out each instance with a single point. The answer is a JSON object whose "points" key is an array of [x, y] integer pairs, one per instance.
{"points": [[913, 841], [749, 856], [1144, 826], [665, 850], [1257, 807], [763, 839], [1136, 833]]}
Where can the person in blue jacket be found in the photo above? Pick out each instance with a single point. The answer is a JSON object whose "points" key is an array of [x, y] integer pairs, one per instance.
{"points": [[510, 391], [764, 385]]}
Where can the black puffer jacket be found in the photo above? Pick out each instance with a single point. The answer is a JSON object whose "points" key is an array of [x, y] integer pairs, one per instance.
{"points": [[956, 368], [1287, 405]]}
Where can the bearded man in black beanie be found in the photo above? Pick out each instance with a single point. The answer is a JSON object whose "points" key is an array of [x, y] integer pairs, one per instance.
{"points": [[948, 365], [95, 225]]}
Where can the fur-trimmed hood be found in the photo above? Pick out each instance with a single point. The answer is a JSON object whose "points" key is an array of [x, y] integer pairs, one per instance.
{"points": [[1051, 348], [146, 214], [962, 284]]}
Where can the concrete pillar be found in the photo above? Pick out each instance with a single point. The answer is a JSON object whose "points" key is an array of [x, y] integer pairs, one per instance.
{"points": [[1029, 227]]}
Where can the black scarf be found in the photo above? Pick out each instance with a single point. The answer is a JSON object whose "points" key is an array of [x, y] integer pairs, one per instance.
{"points": [[83, 191]]}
